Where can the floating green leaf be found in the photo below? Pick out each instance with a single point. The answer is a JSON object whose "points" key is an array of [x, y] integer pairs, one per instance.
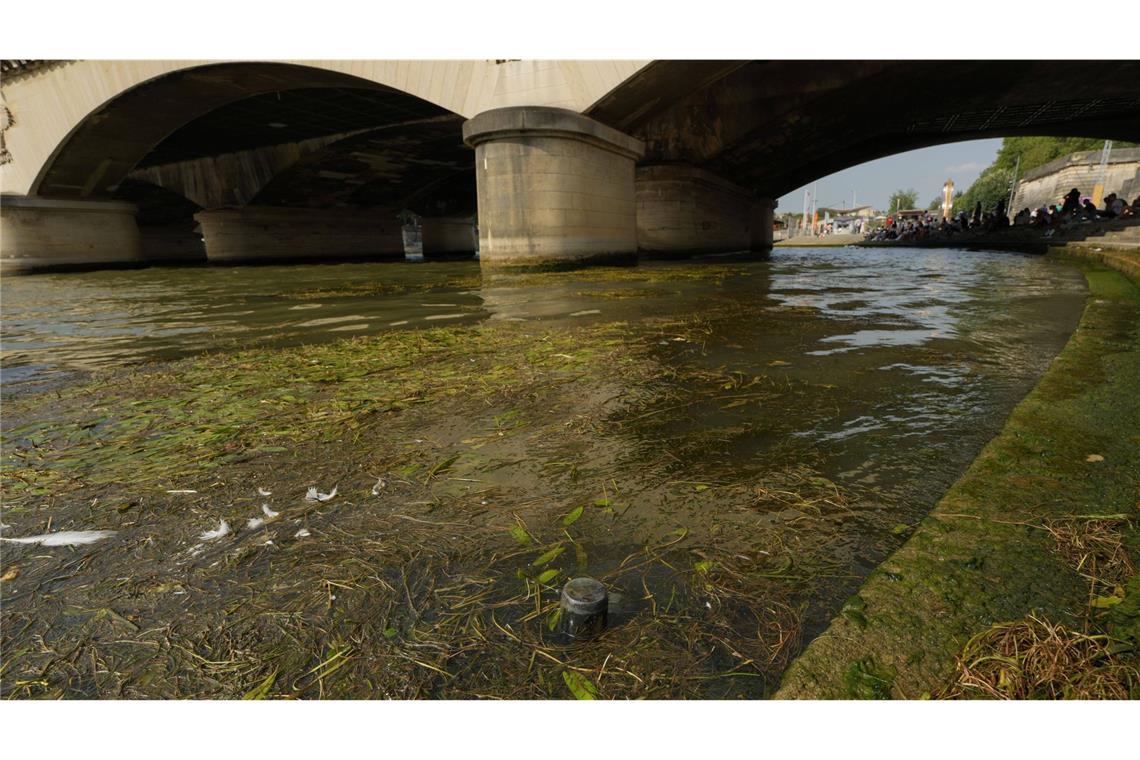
{"points": [[548, 557], [520, 535], [579, 686], [546, 576], [572, 517]]}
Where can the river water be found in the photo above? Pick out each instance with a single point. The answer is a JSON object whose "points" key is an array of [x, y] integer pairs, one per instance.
{"points": [[822, 409]]}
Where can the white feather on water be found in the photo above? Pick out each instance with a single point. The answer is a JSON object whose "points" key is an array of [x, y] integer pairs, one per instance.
{"points": [[223, 529], [381, 484], [302, 533], [63, 538], [183, 490], [256, 522], [263, 492], [314, 495]]}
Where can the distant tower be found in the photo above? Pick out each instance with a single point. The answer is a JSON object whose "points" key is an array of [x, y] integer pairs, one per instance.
{"points": [[947, 198]]}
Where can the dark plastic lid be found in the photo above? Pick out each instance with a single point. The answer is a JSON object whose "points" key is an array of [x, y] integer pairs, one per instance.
{"points": [[584, 596]]}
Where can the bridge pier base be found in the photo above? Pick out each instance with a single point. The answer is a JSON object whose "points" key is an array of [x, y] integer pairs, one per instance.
{"points": [[555, 189], [448, 237], [172, 243], [683, 210], [271, 233], [41, 233], [760, 227]]}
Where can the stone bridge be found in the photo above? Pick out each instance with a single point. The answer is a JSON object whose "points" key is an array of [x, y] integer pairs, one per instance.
{"points": [[561, 163]]}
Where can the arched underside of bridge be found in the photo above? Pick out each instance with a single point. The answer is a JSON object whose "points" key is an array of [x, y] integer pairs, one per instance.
{"points": [[349, 161], [212, 110], [265, 161], [680, 157], [772, 126]]}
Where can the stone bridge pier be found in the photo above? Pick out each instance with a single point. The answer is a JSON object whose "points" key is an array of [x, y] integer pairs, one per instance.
{"points": [[683, 210], [761, 227], [447, 237], [40, 233], [271, 233], [555, 188]]}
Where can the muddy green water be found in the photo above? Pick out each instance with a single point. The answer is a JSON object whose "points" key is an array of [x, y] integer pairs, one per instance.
{"points": [[878, 374]]}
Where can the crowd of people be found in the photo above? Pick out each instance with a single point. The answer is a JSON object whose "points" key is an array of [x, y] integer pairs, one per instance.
{"points": [[1073, 209]]}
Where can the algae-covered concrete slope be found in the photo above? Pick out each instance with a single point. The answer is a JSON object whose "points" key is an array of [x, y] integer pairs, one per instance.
{"points": [[1071, 448]]}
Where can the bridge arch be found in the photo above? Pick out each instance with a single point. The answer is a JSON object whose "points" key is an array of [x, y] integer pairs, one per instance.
{"points": [[53, 104], [206, 110]]}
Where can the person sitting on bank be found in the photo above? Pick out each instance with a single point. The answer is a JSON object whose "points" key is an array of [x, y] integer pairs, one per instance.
{"points": [[1023, 217], [1072, 202], [1133, 211], [1112, 206], [1089, 210], [1000, 219]]}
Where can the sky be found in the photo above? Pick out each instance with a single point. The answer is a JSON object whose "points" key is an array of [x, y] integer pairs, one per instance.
{"points": [[925, 170]]}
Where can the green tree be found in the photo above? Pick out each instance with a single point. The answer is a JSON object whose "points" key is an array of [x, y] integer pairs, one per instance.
{"points": [[935, 204], [902, 200], [991, 186]]}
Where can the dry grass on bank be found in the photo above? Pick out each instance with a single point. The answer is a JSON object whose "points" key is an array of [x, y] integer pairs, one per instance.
{"points": [[1094, 547], [1035, 659]]}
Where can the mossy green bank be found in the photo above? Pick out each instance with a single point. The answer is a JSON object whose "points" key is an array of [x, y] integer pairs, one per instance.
{"points": [[1069, 452]]}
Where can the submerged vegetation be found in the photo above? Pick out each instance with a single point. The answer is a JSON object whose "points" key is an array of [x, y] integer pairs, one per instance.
{"points": [[471, 483], [463, 473]]}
